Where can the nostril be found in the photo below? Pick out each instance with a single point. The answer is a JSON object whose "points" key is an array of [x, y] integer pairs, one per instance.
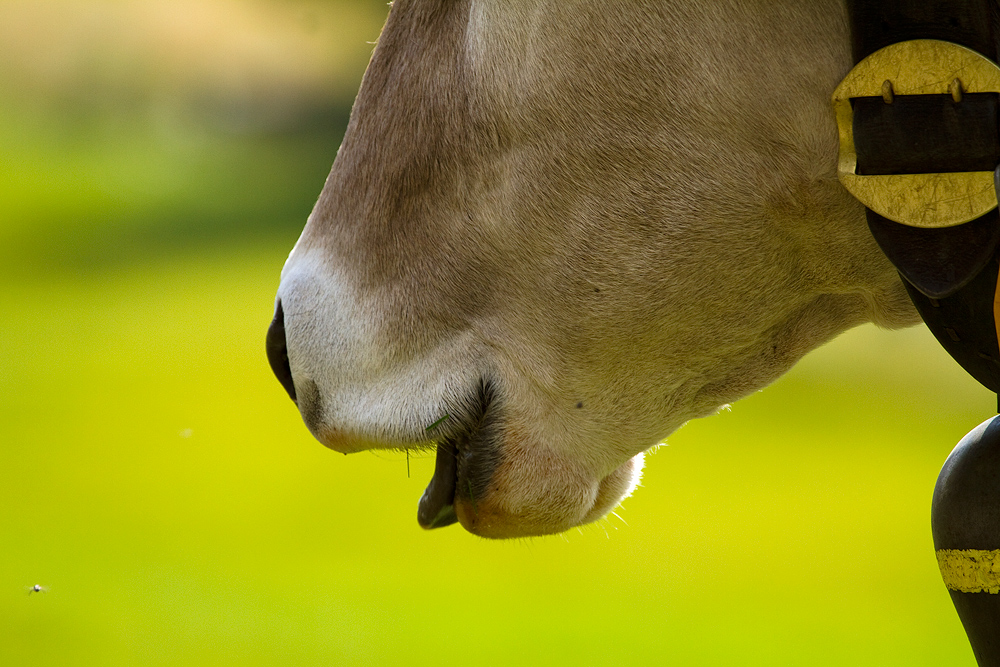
{"points": [[277, 352]]}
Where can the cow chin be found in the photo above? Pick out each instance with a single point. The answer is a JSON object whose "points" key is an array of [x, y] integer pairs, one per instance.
{"points": [[540, 493]]}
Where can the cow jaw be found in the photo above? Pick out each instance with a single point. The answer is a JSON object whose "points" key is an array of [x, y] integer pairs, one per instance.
{"points": [[539, 493], [518, 491]]}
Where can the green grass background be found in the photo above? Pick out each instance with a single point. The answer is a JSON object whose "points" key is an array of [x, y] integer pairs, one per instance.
{"points": [[156, 478]]}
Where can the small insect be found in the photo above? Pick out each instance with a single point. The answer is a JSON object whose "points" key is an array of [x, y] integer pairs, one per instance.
{"points": [[37, 589]]}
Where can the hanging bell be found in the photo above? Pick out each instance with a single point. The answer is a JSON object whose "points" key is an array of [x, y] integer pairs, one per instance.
{"points": [[965, 521]]}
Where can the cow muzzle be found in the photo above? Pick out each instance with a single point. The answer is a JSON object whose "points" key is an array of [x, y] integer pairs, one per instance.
{"points": [[499, 472]]}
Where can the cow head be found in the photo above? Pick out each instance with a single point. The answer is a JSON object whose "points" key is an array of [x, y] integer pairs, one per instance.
{"points": [[556, 231]]}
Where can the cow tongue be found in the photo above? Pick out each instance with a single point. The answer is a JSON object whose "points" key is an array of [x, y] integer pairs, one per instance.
{"points": [[436, 508]]}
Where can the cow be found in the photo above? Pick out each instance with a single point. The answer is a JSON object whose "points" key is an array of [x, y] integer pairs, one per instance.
{"points": [[557, 230]]}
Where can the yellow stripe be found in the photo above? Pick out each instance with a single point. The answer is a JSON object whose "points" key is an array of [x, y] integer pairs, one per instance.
{"points": [[996, 308], [970, 570]]}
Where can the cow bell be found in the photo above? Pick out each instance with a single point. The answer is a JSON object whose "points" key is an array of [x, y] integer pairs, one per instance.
{"points": [[965, 521]]}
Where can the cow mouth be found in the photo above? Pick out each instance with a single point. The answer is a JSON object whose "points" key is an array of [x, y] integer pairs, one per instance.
{"points": [[437, 506], [464, 462]]}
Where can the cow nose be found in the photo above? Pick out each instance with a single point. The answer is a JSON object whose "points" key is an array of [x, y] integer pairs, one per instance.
{"points": [[277, 351]]}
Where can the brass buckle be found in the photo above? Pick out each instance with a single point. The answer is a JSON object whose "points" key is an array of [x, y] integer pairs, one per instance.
{"points": [[917, 67]]}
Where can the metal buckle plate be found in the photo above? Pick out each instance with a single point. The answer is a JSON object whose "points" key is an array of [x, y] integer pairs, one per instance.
{"points": [[917, 67]]}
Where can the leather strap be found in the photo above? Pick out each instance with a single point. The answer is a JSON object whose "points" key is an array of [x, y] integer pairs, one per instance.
{"points": [[950, 273], [879, 23], [926, 134]]}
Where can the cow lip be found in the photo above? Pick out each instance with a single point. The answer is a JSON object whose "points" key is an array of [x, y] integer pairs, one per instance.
{"points": [[437, 506], [468, 452]]}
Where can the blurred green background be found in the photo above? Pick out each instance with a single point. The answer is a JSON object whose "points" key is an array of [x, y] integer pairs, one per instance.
{"points": [[157, 162]]}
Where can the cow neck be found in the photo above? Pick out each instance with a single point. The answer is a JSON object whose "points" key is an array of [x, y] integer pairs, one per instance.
{"points": [[950, 272]]}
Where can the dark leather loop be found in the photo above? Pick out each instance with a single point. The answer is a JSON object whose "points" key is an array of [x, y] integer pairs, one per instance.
{"points": [[938, 262], [963, 324]]}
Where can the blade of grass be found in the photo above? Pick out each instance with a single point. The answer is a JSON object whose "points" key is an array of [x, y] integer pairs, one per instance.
{"points": [[437, 423]]}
